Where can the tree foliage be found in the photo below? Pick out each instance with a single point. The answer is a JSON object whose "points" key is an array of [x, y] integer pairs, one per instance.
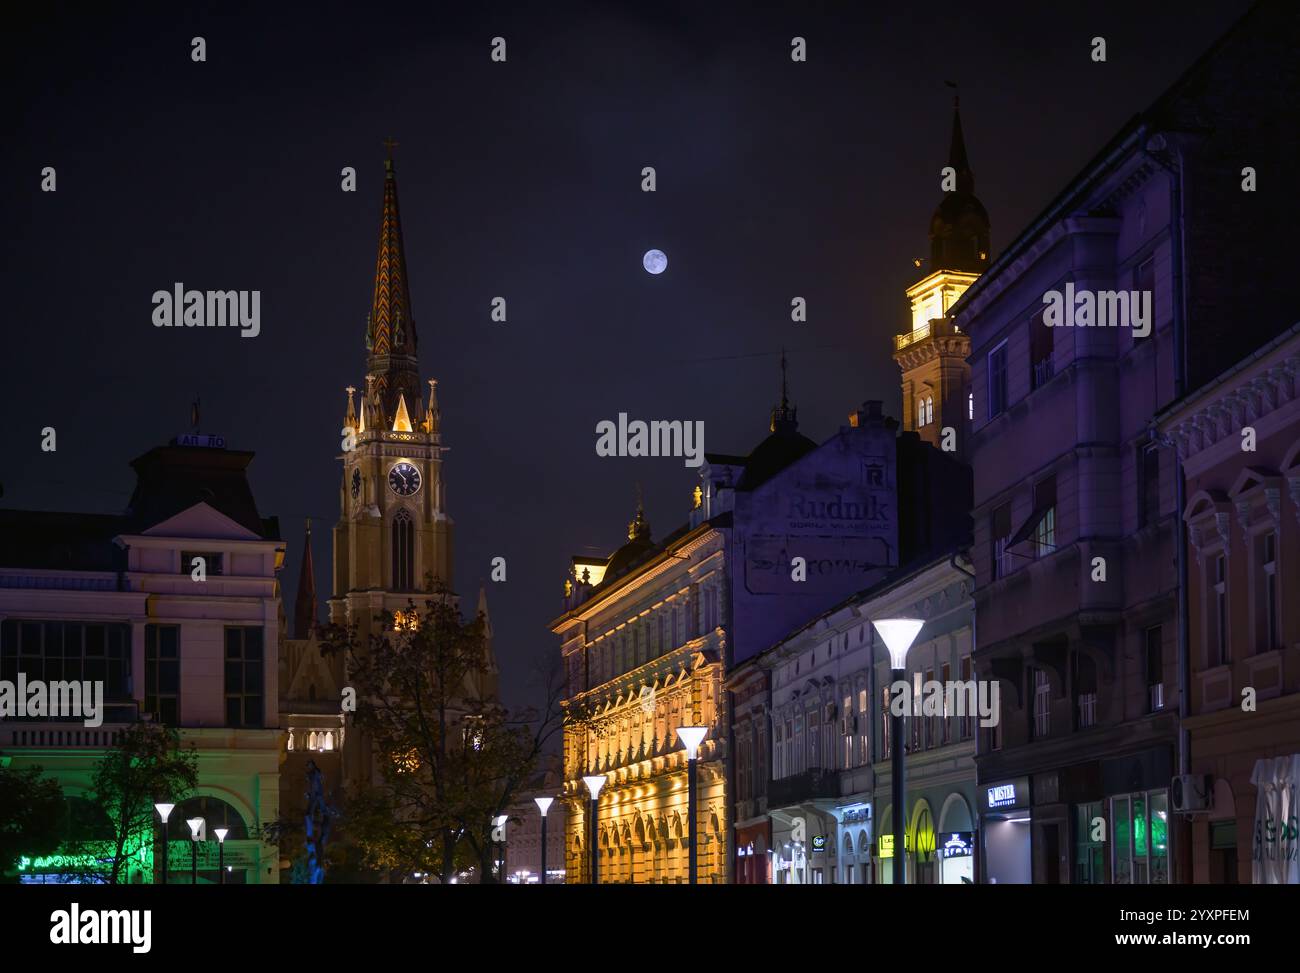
{"points": [[31, 816], [146, 765], [448, 756]]}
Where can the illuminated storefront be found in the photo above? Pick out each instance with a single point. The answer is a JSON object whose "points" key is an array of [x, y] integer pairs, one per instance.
{"points": [[1005, 832]]}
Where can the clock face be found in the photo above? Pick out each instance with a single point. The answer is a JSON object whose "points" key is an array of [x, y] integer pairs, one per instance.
{"points": [[404, 479], [356, 483]]}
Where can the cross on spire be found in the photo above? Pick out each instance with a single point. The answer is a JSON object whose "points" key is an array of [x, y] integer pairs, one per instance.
{"points": [[391, 143]]}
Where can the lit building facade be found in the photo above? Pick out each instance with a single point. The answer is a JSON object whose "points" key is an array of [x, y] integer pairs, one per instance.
{"points": [[1077, 499], [1243, 524], [117, 598], [393, 539], [643, 655]]}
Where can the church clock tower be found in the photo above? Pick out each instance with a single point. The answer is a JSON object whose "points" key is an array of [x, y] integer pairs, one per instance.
{"points": [[932, 356], [393, 539]]}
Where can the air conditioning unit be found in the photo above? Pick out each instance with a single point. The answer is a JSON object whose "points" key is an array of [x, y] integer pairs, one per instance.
{"points": [[1189, 793]]}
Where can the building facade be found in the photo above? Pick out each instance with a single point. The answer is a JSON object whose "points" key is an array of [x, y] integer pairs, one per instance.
{"points": [[1122, 294], [1238, 440], [122, 599]]}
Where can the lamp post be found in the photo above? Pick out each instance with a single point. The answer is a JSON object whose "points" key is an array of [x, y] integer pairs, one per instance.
{"points": [[196, 828], [221, 852], [691, 737], [543, 805], [898, 635], [164, 810], [594, 784]]}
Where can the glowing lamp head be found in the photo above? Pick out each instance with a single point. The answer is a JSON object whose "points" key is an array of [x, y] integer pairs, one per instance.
{"points": [[544, 804], [691, 737], [221, 834], [898, 634], [196, 827], [594, 784], [163, 811]]}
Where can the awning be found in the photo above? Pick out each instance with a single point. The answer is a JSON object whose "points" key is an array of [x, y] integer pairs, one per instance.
{"points": [[1029, 526], [1275, 851]]}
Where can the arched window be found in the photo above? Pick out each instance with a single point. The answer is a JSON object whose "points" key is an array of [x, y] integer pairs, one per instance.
{"points": [[403, 551], [920, 412], [215, 813], [929, 409]]}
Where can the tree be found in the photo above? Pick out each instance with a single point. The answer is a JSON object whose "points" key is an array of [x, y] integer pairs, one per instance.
{"points": [[31, 817], [147, 764], [448, 756]]}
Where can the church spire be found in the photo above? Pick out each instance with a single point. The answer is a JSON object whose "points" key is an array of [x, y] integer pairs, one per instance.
{"points": [[390, 330], [957, 151], [959, 227], [304, 608]]}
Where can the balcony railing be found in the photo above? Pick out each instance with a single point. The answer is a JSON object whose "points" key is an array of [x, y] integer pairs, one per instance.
{"points": [[814, 784]]}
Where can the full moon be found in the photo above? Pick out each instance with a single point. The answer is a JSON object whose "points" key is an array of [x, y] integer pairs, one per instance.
{"points": [[655, 261]]}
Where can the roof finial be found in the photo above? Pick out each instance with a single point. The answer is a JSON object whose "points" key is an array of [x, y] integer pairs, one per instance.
{"points": [[390, 143], [783, 416]]}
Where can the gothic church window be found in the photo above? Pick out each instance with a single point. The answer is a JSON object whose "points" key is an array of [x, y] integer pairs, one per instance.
{"points": [[403, 551]]}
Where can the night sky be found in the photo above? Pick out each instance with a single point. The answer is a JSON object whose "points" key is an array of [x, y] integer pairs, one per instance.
{"points": [[519, 180]]}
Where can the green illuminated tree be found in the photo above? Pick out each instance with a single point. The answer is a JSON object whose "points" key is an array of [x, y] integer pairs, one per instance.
{"points": [[146, 765], [31, 814]]}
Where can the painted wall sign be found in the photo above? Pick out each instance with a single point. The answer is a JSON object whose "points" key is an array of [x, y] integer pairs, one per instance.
{"points": [[956, 844]]}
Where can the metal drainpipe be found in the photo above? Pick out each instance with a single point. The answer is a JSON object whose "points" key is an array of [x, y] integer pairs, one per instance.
{"points": [[1178, 228]]}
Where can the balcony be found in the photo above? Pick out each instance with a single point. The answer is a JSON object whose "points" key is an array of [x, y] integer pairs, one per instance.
{"points": [[812, 785], [937, 328]]}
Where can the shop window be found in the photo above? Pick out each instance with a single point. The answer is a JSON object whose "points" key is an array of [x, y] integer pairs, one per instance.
{"points": [[1141, 838]]}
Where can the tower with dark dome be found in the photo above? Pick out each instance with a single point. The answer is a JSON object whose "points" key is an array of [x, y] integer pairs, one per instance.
{"points": [[937, 403]]}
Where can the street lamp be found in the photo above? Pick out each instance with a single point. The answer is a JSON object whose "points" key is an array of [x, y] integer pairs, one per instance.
{"points": [[196, 828], [898, 635], [691, 737], [163, 811], [221, 852], [594, 784], [543, 805]]}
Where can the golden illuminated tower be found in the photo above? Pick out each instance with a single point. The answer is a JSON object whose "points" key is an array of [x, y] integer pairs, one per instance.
{"points": [[393, 539], [932, 355]]}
